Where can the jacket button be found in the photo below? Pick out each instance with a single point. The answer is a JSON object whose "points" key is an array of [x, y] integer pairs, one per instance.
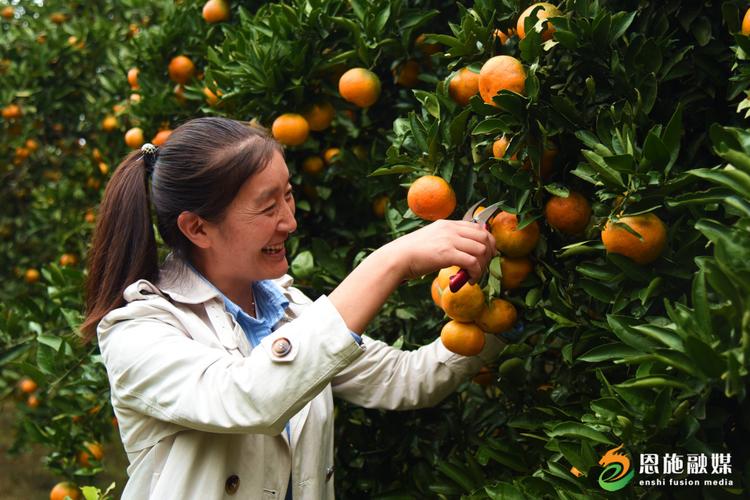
{"points": [[329, 473], [281, 347], [232, 484]]}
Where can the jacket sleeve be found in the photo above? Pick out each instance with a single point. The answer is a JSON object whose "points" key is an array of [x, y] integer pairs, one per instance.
{"points": [[388, 378], [155, 368]]}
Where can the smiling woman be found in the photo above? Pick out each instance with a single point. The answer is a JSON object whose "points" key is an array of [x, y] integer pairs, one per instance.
{"points": [[222, 373]]}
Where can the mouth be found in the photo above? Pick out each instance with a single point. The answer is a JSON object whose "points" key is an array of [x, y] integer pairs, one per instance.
{"points": [[273, 249]]}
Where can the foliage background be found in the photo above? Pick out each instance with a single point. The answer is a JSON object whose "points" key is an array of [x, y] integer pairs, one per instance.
{"points": [[644, 102]]}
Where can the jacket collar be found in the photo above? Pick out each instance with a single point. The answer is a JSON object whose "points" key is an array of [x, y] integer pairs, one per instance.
{"points": [[183, 284]]}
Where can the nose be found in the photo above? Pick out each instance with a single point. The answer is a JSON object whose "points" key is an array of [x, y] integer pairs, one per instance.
{"points": [[288, 223]]}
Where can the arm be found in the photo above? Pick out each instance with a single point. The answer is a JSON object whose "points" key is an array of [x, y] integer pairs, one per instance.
{"points": [[157, 370], [391, 379]]}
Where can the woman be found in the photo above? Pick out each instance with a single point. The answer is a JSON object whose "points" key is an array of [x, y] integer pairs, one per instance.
{"points": [[222, 373]]}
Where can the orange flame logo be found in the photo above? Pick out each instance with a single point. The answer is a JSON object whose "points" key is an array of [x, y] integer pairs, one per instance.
{"points": [[612, 457]]}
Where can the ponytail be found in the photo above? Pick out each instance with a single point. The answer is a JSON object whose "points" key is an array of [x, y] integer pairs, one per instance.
{"points": [[124, 245]]}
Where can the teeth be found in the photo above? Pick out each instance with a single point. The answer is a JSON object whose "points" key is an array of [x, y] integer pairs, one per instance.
{"points": [[273, 248]]}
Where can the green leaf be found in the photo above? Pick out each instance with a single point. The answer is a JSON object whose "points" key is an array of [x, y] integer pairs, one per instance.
{"points": [[303, 265], [578, 430], [654, 381], [491, 126], [655, 153], [700, 301], [736, 180], [607, 174], [625, 332], [621, 21], [458, 127], [608, 351], [429, 101]]}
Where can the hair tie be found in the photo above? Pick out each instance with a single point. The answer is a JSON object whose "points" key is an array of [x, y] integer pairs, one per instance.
{"points": [[150, 154]]}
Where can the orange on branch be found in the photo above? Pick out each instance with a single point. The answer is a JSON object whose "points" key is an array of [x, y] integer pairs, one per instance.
{"points": [[320, 115], [7, 12], [501, 73], [290, 129], [466, 339], [12, 111], [27, 385], [568, 215], [360, 86], [31, 276], [211, 98], [68, 259], [509, 240], [109, 123], [426, 48], [133, 78], [215, 11], [93, 450], [379, 205], [619, 240], [464, 305], [313, 165], [134, 138], [498, 317], [161, 137], [547, 10], [181, 69], [436, 292], [65, 489], [407, 74], [463, 86], [330, 154], [431, 198], [746, 23], [444, 276], [514, 270]]}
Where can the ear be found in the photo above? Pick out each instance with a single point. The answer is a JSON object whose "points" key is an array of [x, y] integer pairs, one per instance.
{"points": [[195, 229]]}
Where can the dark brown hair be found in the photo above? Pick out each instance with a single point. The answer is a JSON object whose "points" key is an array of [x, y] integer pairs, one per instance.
{"points": [[199, 169]]}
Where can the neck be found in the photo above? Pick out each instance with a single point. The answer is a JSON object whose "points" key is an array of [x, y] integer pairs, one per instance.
{"points": [[239, 292]]}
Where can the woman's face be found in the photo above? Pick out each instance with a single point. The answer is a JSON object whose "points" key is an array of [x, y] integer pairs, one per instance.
{"points": [[248, 244]]}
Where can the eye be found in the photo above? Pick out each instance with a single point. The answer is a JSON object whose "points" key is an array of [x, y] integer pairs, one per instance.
{"points": [[270, 208], [288, 193]]}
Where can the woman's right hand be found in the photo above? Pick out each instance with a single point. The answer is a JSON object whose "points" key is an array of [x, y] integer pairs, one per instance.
{"points": [[442, 244]]}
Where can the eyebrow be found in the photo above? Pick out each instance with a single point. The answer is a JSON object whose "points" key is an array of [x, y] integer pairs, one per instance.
{"points": [[269, 192]]}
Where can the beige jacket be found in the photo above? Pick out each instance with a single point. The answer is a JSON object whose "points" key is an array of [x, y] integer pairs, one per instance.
{"points": [[201, 413]]}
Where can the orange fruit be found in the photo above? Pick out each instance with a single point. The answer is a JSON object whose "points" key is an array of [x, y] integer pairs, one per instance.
{"points": [[7, 12], [360, 86], [547, 161], [109, 124], [500, 146], [466, 339], [31, 276], [547, 10], [320, 115], [504, 36], [68, 259], [22, 153], [509, 240], [427, 48], [407, 74], [498, 317], [211, 98], [58, 17], [31, 144], [463, 86], [464, 305], [103, 168], [134, 138], [313, 165], [215, 11], [290, 129], [61, 490], [181, 69], [90, 216], [27, 385], [330, 154], [746, 23], [133, 78], [431, 198], [501, 73], [379, 206], [436, 292], [484, 376], [12, 111], [94, 450], [32, 401], [568, 215], [161, 137], [618, 240], [514, 271], [444, 276]]}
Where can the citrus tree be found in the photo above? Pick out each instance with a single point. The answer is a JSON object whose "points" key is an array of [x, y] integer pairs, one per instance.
{"points": [[610, 133]]}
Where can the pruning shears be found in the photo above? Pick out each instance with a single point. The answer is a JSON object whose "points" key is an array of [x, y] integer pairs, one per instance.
{"points": [[461, 277]]}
